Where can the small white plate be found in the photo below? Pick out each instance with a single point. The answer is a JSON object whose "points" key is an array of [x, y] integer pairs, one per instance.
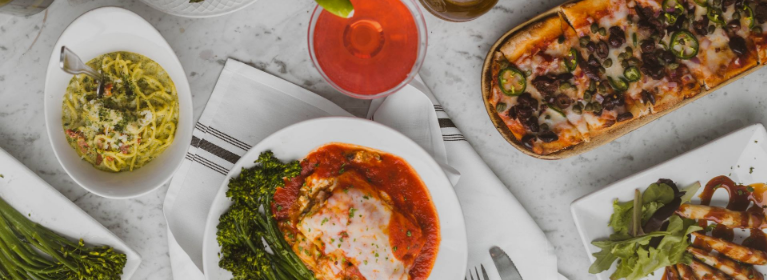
{"points": [[298, 140], [732, 155], [97, 32], [29, 194], [204, 9]]}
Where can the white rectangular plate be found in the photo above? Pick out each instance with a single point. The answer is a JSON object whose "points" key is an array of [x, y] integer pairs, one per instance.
{"points": [[43, 204], [732, 155]]}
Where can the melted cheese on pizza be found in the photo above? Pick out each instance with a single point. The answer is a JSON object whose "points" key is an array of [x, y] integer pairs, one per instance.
{"points": [[714, 54]]}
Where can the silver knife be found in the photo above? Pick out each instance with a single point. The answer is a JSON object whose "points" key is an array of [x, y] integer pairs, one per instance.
{"points": [[503, 263]]}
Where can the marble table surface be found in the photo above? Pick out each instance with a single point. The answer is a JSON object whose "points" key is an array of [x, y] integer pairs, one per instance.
{"points": [[271, 35]]}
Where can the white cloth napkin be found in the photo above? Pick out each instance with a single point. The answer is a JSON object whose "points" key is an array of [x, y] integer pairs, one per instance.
{"points": [[247, 105]]}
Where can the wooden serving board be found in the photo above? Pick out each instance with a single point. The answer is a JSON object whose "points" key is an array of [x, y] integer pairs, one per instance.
{"points": [[615, 132]]}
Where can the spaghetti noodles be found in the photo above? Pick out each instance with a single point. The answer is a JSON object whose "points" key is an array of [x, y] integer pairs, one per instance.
{"points": [[133, 121]]}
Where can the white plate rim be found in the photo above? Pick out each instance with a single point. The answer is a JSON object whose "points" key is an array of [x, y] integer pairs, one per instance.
{"points": [[212, 219], [181, 82]]}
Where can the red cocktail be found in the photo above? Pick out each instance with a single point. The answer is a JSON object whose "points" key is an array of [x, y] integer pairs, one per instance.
{"points": [[375, 52]]}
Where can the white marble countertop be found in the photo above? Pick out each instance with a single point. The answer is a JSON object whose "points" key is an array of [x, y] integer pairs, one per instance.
{"points": [[271, 35]]}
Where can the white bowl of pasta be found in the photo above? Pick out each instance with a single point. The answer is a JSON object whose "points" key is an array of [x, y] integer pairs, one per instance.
{"points": [[129, 140]]}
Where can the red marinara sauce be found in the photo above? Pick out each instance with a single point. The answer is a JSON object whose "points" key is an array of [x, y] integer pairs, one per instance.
{"points": [[387, 173]]}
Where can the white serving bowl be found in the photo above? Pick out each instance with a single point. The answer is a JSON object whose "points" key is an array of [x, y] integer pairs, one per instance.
{"points": [[97, 32]]}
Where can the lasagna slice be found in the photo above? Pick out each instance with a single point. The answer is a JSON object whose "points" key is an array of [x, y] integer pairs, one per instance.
{"points": [[350, 230]]}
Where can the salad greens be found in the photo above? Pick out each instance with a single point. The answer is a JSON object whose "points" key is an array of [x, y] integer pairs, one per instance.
{"points": [[249, 224], [31, 251], [647, 234]]}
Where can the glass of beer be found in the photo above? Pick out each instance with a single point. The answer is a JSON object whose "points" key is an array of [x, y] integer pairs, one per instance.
{"points": [[458, 10]]}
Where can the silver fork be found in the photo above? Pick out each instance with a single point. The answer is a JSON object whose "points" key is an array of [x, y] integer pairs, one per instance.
{"points": [[476, 272], [72, 64]]}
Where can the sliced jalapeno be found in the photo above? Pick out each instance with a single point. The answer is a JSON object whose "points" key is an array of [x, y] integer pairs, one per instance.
{"points": [[571, 60], [715, 15], [555, 109], [683, 44], [701, 3], [634, 39], [619, 84], [632, 73], [512, 81], [749, 16], [673, 10]]}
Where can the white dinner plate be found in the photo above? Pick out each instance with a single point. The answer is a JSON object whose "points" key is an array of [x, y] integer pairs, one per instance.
{"points": [[97, 32], [298, 140], [732, 155], [29, 194], [207, 8]]}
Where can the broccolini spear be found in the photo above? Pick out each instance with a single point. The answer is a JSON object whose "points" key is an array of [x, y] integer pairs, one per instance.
{"points": [[249, 223], [31, 251]]}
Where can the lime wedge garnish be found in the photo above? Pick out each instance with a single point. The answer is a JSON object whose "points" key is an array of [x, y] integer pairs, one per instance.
{"points": [[341, 8]]}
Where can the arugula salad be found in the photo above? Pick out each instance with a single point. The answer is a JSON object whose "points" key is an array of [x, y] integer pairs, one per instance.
{"points": [[648, 235]]}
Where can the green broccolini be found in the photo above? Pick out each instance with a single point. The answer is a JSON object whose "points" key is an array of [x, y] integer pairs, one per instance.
{"points": [[31, 251], [243, 229]]}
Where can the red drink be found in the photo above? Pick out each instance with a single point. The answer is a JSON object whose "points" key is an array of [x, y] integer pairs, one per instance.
{"points": [[375, 52]]}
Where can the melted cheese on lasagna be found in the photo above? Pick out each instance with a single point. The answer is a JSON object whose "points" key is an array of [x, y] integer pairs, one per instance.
{"points": [[351, 217], [354, 224]]}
